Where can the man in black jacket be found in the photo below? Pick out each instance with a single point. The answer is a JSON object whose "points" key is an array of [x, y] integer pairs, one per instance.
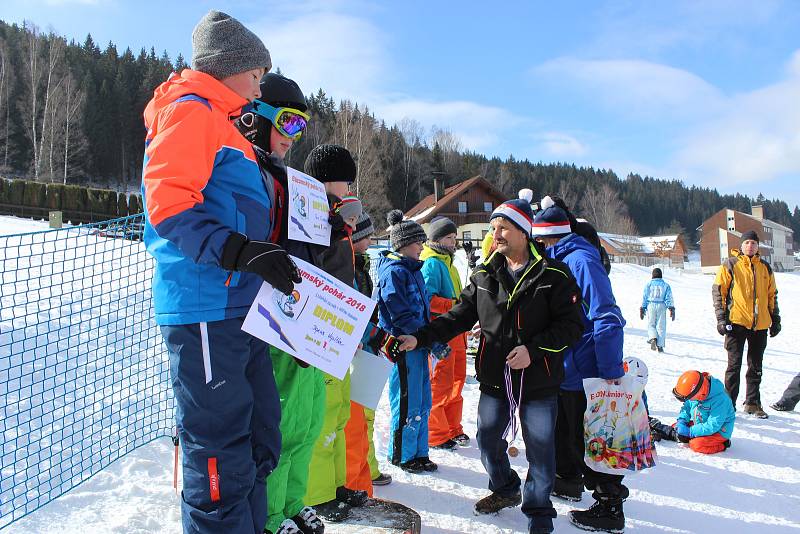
{"points": [[528, 307]]}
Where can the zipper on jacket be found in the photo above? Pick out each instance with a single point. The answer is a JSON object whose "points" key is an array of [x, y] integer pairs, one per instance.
{"points": [[547, 365], [755, 296]]}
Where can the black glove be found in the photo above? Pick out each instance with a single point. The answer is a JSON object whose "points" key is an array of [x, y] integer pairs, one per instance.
{"points": [[683, 439], [672, 313], [723, 328], [642, 311], [267, 260], [775, 329], [382, 342]]}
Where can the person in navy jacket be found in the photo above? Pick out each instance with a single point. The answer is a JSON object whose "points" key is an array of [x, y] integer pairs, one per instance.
{"points": [[597, 354]]}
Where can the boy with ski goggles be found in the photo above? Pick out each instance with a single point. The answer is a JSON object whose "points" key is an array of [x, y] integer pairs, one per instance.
{"points": [[289, 122]]}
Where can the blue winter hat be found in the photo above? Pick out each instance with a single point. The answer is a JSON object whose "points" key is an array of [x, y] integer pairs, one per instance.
{"points": [[518, 211], [551, 221]]}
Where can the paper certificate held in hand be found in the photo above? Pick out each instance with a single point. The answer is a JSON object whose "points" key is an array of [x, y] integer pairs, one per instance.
{"points": [[320, 322], [308, 209]]}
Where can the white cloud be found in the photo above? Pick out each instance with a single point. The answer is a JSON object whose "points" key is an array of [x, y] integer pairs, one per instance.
{"points": [[755, 137], [343, 54], [560, 145], [319, 45], [637, 88]]}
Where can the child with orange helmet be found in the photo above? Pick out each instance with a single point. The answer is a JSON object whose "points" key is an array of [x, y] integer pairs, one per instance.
{"points": [[707, 416]]}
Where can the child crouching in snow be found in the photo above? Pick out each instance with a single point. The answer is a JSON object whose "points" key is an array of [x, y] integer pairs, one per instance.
{"points": [[707, 416]]}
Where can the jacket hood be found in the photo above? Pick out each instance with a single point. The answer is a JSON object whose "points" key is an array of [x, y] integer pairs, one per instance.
{"points": [[191, 82], [573, 243], [715, 389], [428, 252], [736, 253], [389, 259]]}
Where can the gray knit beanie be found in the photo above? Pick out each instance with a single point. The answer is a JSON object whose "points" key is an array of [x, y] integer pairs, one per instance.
{"points": [[404, 232], [364, 228], [222, 47], [440, 227]]}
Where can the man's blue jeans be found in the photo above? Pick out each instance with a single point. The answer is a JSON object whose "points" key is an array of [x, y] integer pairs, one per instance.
{"points": [[538, 421]]}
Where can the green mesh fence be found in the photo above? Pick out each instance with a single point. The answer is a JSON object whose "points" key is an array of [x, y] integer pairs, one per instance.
{"points": [[84, 378]]}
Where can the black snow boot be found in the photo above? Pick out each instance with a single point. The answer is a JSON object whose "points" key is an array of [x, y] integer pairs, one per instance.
{"points": [[308, 521], [653, 345], [605, 515], [567, 488], [351, 497], [449, 445]]}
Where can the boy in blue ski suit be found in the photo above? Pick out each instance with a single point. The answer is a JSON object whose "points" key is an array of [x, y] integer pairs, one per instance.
{"points": [[403, 309], [597, 354], [207, 222], [657, 299]]}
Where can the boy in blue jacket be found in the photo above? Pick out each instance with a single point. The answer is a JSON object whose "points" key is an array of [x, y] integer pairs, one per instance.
{"points": [[707, 415], [403, 309], [597, 354], [656, 300]]}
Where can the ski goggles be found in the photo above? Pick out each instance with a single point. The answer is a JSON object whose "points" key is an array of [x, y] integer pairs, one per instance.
{"points": [[288, 121]]}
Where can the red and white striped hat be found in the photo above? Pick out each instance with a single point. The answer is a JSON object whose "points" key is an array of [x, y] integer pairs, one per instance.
{"points": [[518, 211], [552, 221]]}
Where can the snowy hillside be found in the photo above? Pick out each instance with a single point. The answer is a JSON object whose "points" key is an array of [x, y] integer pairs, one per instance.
{"points": [[754, 487]]}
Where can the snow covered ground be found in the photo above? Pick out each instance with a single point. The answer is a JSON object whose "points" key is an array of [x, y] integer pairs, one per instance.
{"points": [[754, 487]]}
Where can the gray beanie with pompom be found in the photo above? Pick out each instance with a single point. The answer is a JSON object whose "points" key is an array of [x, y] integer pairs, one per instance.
{"points": [[403, 232]]}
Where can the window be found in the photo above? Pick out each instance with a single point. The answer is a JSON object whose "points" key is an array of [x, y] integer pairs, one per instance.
{"points": [[462, 207], [487, 207], [467, 235]]}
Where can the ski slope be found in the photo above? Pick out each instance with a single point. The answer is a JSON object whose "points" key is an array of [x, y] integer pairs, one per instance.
{"points": [[754, 487]]}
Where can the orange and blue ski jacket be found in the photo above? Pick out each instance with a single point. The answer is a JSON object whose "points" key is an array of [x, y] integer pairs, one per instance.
{"points": [[200, 183]]}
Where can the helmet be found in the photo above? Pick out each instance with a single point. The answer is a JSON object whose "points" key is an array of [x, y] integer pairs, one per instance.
{"points": [[636, 368], [692, 385], [277, 91], [281, 92]]}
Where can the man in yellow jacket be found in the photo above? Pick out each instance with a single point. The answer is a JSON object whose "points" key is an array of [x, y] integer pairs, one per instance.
{"points": [[746, 305]]}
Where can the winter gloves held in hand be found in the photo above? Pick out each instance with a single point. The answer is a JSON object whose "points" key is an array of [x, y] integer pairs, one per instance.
{"points": [[775, 328], [643, 312], [440, 351], [683, 431], [723, 328], [267, 260], [382, 342]]}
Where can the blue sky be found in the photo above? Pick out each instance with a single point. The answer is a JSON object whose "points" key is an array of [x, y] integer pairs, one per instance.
{"points": [[707, 92]]}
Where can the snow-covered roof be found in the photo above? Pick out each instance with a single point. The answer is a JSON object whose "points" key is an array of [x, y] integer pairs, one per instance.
{"points": [[646, 244]]}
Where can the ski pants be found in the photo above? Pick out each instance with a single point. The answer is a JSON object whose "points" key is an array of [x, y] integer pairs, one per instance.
{"points": [[570, 448], [302, 396], [734, 344], [359, 440], [328, 468], [537, 418], [791, 396], [657, 322], [709, 444], [374, 469], [447, 383], [228, 417], [410, 402]]}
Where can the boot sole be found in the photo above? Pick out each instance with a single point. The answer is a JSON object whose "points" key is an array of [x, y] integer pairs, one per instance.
{"points": [[594, 529], [570, 498]]}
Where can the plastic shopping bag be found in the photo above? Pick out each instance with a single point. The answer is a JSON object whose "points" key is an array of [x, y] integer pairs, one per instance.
{"points": [[616, 429]]}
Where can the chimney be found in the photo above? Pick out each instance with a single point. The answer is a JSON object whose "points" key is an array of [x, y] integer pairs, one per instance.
{"points": [[757, 211], [438, 186]]}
